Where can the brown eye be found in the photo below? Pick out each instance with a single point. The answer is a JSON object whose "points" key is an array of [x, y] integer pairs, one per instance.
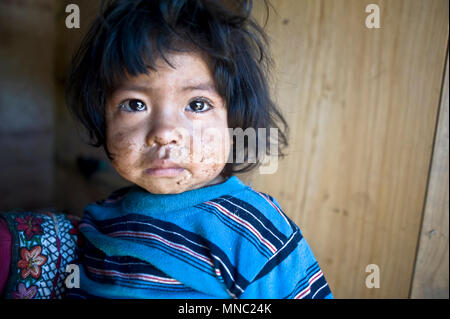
{"points": [[133, 106], [199, 106]]}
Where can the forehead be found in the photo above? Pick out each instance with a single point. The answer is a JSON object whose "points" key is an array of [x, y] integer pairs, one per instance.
{"points": [[186, 70]]}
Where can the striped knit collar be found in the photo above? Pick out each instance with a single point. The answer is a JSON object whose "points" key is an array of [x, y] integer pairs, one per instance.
{"points": [[140, 201]]}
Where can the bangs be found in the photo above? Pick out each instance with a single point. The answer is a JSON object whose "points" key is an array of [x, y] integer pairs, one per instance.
{"points": [[133, 42], [133, 45]]}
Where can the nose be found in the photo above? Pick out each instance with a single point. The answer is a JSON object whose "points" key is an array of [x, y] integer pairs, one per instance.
{"points": [[164, 131]]}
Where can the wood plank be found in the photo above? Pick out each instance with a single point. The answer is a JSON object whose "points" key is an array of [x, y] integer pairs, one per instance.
{"points": [[432, 268], [362, 104]]}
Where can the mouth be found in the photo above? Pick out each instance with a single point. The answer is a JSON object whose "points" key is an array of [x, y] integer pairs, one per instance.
{"points": [[164, 168]]}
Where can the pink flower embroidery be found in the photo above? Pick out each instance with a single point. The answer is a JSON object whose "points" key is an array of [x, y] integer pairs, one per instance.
{"points": [[24, 292], [31, 262], [30, 225]]}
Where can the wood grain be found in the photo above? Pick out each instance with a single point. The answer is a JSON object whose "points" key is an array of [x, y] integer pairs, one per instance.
{"points": [[362, 105], [432, 268]]}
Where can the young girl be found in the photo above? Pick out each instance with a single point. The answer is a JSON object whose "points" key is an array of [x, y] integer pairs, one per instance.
{"points": [[159, 84]]}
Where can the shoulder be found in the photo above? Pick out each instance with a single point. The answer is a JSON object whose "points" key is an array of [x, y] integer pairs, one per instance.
{"points": [[107, 207], [258, 211], [115, 197]]}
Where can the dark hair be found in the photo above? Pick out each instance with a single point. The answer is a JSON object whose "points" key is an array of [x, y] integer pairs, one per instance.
{"points": [[129, 35]]}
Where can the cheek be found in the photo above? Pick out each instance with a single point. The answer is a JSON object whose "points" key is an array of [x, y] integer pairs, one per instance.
{"points": [[215, 147], [119, 144], [214, 150], [215, 140], [122, 135], [123, 151]]}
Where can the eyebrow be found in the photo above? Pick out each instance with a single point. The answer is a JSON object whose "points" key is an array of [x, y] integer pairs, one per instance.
{"points": [[207, 86]]}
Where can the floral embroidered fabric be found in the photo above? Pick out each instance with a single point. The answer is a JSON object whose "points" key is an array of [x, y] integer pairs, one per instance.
{"points": [[43, 244]]}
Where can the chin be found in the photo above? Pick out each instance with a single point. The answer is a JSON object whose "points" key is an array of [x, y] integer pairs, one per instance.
{"points": [[178, 184], [164, 191], [165, 187]]}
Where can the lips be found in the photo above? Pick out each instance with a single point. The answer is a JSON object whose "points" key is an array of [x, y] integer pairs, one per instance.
{"points": [[161, 168]]}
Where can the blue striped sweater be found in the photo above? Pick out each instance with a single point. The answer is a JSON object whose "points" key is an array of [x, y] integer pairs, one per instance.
{"points": [[220, 241]]}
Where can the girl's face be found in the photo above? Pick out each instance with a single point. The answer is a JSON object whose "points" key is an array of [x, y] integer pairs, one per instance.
{"points": [[167, 131]]}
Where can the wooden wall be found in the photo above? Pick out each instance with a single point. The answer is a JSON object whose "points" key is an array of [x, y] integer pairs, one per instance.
{"points": [[363, 106]]}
